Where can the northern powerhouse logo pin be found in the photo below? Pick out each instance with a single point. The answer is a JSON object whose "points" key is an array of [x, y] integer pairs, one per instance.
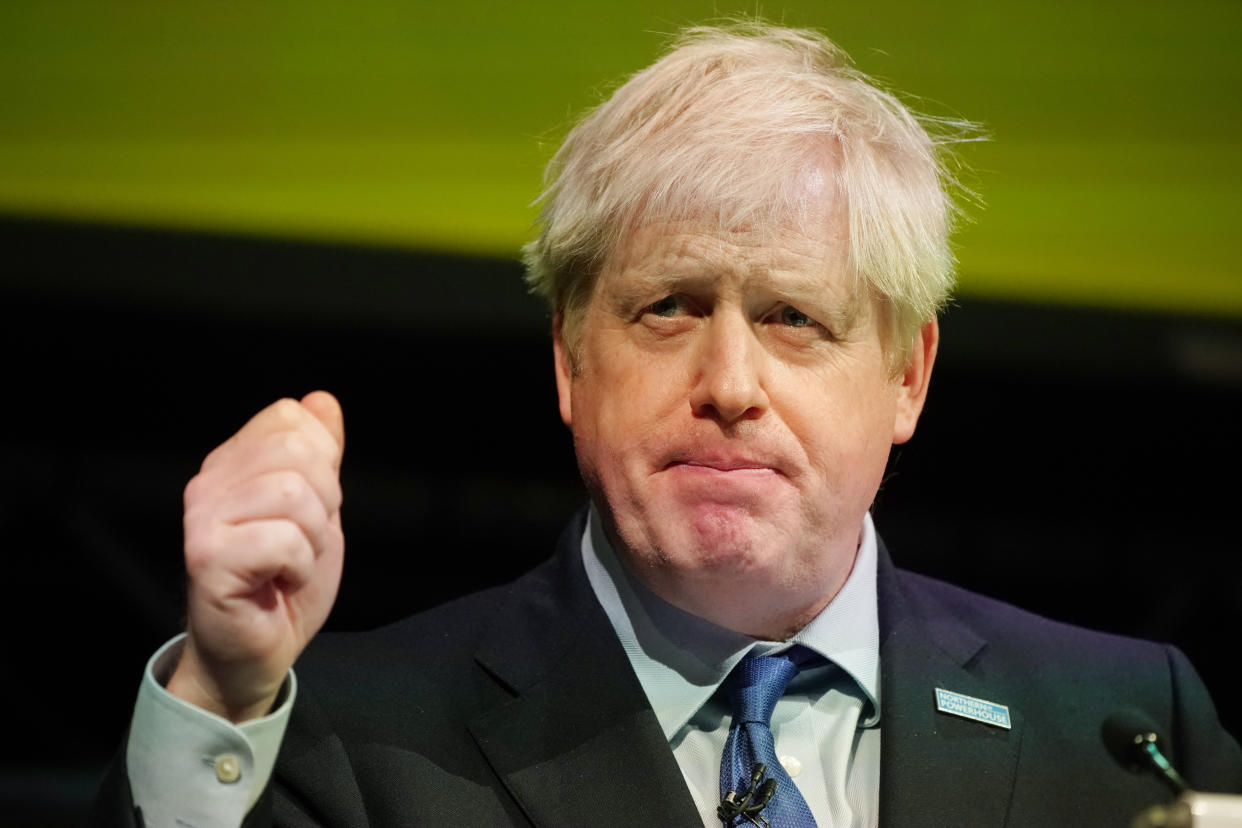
{"points": [[968, 707]]}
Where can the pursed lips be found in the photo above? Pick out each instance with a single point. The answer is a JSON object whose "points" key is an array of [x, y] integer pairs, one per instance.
{"points": [[722, 465], [722, 481]]}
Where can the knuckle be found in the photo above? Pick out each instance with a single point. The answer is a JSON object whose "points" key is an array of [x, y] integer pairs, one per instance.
{"points": [[219, 451], [200, 553], [295, 445], [193, 520], [287, 411], [194, 491], [289, 486]]}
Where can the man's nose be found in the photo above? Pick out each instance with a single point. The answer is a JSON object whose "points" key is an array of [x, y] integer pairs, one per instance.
{"points": [[729, 383]]}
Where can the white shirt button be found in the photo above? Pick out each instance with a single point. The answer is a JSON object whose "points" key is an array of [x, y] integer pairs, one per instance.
{"points": [[791, 765], [228, 769]]}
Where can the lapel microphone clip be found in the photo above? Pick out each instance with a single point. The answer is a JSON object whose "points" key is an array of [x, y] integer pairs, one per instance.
{"points": [[753, 800]]}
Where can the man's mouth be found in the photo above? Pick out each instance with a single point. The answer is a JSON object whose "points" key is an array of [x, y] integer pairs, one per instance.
{"points": [[723, 464]]}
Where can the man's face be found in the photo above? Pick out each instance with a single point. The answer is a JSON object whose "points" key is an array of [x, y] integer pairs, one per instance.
{"points": [[732, 411]]}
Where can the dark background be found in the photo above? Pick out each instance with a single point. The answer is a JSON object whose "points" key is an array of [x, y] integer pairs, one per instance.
{"points": [[1075, 462]]}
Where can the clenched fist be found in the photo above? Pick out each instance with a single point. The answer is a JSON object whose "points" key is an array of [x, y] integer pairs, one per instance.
{"points": [[263, 551]]}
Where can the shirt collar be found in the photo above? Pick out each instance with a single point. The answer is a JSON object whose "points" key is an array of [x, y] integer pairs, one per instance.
{"points": [[681, 659]]}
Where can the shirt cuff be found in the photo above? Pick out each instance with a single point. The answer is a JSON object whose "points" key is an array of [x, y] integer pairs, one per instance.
{"points": [[191, 767]]}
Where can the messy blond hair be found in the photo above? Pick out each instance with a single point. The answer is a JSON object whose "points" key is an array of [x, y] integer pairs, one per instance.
{"points": [[724, 125]]}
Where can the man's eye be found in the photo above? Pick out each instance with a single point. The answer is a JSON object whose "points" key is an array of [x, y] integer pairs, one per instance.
{"points": [[795, 318], [666, 307]]}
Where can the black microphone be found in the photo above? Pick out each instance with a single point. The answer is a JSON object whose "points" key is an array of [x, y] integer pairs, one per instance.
{"points": [[1131, 737], [764, 794], [752, 800]]}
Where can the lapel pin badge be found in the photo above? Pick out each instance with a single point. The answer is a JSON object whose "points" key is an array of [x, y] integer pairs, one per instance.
{"points": [[968, 707]]}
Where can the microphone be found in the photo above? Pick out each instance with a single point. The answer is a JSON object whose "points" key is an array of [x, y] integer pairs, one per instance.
{"points": [[1131, 737], [764, 795], [753, 800]]}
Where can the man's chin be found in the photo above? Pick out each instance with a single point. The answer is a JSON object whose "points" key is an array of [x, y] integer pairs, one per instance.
{"points": [[714, 540], [727, 529]]}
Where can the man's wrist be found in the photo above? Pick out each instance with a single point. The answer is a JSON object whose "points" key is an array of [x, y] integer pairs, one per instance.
{"points": [[190, 682]]}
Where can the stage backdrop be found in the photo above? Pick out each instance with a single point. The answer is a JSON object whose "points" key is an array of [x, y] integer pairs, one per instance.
{"points": [[1111, 176]]}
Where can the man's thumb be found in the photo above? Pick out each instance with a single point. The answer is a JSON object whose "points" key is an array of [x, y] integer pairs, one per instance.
{"points": [[328, 411]]}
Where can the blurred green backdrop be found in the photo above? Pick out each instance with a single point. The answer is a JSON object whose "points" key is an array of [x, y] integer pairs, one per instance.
{"points": [[1112, 176]]}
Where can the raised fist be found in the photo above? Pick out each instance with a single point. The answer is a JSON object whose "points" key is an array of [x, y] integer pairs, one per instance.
{"points": [[263, 551]]}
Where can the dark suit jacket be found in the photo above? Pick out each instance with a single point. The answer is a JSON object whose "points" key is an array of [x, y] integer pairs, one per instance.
{"points": [[517, 706]]}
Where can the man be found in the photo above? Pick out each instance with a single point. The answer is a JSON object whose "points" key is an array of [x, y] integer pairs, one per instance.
{"points": [[745, 249]]}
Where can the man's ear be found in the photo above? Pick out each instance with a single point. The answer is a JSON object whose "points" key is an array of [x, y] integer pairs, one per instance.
{"points": [[564, 370], [913, 390]]}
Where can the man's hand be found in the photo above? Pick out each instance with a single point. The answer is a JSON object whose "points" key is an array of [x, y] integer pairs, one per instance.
{"points": [[263, 551]]}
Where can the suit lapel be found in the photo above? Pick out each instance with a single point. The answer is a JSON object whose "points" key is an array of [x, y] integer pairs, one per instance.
{"points": [[578, 740], [936, 768]]}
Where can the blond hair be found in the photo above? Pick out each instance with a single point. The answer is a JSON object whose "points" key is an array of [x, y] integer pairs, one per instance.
{"points": [[725, 124]]}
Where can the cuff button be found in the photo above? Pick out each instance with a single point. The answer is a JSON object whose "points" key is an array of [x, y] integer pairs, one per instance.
{"points": [[228, 769]]}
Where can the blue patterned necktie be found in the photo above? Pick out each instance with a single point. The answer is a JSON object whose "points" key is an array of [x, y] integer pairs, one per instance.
{"points": [[754, 687]]}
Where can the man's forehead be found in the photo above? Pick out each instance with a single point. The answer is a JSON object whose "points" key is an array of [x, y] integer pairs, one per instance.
{"points": [[781, 256]]}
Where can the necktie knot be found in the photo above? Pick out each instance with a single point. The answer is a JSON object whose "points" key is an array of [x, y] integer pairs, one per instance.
{"points": [[756, 684]]}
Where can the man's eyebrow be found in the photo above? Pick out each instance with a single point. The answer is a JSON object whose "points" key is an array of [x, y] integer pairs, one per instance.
{"points": [[663, 281], [838, 308]]}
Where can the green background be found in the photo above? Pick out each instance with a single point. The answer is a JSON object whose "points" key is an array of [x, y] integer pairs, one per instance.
{"points": [[1111, 177]]}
